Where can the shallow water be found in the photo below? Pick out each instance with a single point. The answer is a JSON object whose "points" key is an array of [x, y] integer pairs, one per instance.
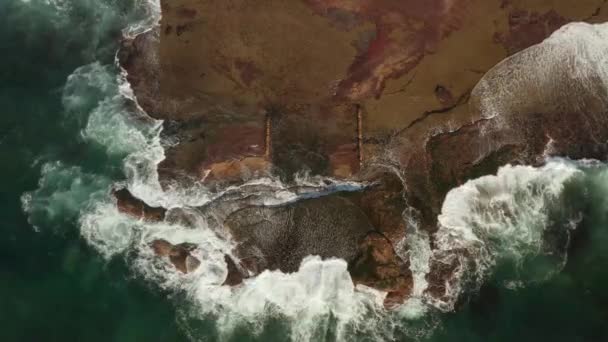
{"points": [[71, 268]]}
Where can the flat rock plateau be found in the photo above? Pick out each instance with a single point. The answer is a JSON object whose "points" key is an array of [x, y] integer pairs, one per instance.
{"points": [[411, 97]]}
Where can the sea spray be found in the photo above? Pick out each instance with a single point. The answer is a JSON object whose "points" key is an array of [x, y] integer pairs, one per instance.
{"points": [[150, 18], [419, 252], [508, 220], [63, 193]]}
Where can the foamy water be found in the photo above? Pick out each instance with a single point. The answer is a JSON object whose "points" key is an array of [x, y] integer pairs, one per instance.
{"points": [[504, 219]]}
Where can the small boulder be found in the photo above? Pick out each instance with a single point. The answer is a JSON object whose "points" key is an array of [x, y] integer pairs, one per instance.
{"points": [[235, 274], [379, 267], [179, 255], [131, 205]]}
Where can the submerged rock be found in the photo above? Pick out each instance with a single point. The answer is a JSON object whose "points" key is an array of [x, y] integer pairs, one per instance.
{"points": [[179, 255]]}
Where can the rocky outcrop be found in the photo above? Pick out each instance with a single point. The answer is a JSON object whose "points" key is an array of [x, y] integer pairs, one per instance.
{"points": [[330, 103], [139, 57], [236, 274], [392, 93], [278, 238], [378, 266], [179, 255], [181, 258], [129, 204]]}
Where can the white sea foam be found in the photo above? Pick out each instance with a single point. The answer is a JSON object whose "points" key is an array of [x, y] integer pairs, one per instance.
{"points": [[503, 218], [419, 252], [566, 72], [151, 18], [320, 288]]}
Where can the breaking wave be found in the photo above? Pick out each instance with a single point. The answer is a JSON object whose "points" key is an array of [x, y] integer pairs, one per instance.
{"points": [[504, 216], [519, 220]]}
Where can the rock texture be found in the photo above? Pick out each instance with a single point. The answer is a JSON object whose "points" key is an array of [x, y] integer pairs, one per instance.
{"points": [[236, 88], [281, 237], [179, 255], [129, 204], [389, 92]]}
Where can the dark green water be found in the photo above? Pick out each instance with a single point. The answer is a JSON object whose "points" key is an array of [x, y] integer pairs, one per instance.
{"points": [[55, 287]]}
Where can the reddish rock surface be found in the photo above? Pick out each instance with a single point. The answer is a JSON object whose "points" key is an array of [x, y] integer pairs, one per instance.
{"points": [[179, 255], [528, 28], [379, 267], [294, 102], [404, 31], [351, 89]]}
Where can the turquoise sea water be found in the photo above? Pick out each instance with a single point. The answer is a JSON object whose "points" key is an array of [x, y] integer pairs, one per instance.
{"points": [[63, 143]]}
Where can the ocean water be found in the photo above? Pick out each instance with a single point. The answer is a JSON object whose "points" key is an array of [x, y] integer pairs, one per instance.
{"points": [[74, 269]]}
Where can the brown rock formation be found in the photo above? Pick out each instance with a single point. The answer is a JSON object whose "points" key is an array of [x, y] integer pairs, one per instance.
{"points": [[280, 237], [399, 62], [179, 255], [378, 266], [383, 204], [351, 89], [235, 274], [331, 227], [129, 204]]}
